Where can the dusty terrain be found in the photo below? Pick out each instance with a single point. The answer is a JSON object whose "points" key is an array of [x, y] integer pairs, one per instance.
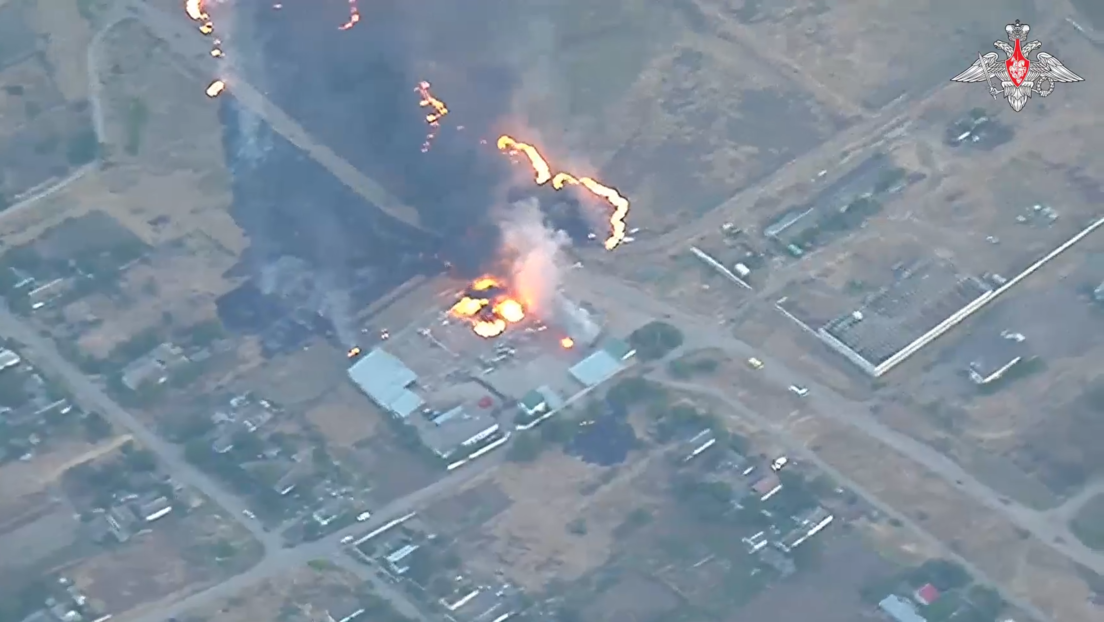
{"points": [[561, 522], [345, 417], [1026, 566], [299, 593]]}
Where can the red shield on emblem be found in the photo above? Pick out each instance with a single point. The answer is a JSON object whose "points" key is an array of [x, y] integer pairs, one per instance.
{"points": [[1017, 65]]}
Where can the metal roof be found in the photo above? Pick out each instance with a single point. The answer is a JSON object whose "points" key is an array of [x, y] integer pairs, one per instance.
{"points": [[457, 428], [618, 349], [900, 610], [596, 368], [385, 379], [533, 400]]}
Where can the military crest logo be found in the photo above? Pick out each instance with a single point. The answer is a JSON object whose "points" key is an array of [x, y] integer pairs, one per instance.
{"points": [[1018, 76]]}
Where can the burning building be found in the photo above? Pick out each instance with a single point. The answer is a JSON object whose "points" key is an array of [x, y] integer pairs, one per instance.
{"points": [[488, 307]]}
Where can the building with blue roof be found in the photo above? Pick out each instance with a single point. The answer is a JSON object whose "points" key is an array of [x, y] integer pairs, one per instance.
{"points": [[602, 364], [900, 610], [386, 380]]}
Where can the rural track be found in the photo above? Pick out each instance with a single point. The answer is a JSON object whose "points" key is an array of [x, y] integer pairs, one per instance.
{"points": [[182, 37], [828, 404]]}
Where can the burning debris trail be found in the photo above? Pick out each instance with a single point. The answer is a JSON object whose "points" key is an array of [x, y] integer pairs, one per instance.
{"points": [[354, 16], [543, 174], [620, 204], [488, 308], [433, 118], [196, 13]]}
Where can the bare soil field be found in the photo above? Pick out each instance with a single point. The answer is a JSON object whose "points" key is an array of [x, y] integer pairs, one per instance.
{"points": [[302, 592], [345, 417], [561, 521]]}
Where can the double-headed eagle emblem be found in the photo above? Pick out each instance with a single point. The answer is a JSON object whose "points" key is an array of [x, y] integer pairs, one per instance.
{"points": [[1020, 76]]}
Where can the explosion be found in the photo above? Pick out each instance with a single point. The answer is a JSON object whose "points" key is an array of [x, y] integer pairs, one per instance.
{"points": [[488, 307], [354, 16], [439, 110], [544, 174]]}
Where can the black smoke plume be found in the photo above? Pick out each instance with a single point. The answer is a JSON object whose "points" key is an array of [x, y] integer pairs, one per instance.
{"points": [[354, 91]]}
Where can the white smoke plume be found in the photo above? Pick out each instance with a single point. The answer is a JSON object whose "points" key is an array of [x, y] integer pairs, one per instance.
{"points": [[535, 253]]}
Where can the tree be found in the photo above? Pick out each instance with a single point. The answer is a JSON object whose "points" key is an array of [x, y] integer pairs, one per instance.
{"points": [[525, 448], [206, 333], [558, 430], [944, 574], [142, 460], [655, 340], [13, 391], [888, 179], [710, 501], [635, 390], [223, 550], [83, 147], [137, 118], [986, 601]]}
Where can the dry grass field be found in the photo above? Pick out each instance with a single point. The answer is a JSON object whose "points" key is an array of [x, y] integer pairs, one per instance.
{"points": [[561, 521]]}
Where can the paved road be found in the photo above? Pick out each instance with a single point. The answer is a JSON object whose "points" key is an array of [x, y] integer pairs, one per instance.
{"points": [[280, 561], [1069, 509], [42, 351], [855, 143], [830, 404], [183, 38], [797, 448]]}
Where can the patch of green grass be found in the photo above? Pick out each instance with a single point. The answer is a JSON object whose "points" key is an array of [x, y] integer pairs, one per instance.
{"points": [[137, 118], [1088, 525]]}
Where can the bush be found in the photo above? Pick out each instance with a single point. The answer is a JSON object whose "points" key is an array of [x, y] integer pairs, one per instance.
{"points": [[635, 390], [943, 574], [558, 430], [525, 448], [83, 148], [655, 340], [96, 428], [986, 601]]}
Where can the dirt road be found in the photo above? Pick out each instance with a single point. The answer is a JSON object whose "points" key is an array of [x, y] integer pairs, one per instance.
{"points": [[830, 404], [182, 37]]}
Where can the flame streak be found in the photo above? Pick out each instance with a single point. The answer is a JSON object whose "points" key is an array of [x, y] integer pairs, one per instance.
{"points": [[196, 13], [543, 172], [559, 180], [194, 9], [432, 118], [489, 312], [354, 16]]}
